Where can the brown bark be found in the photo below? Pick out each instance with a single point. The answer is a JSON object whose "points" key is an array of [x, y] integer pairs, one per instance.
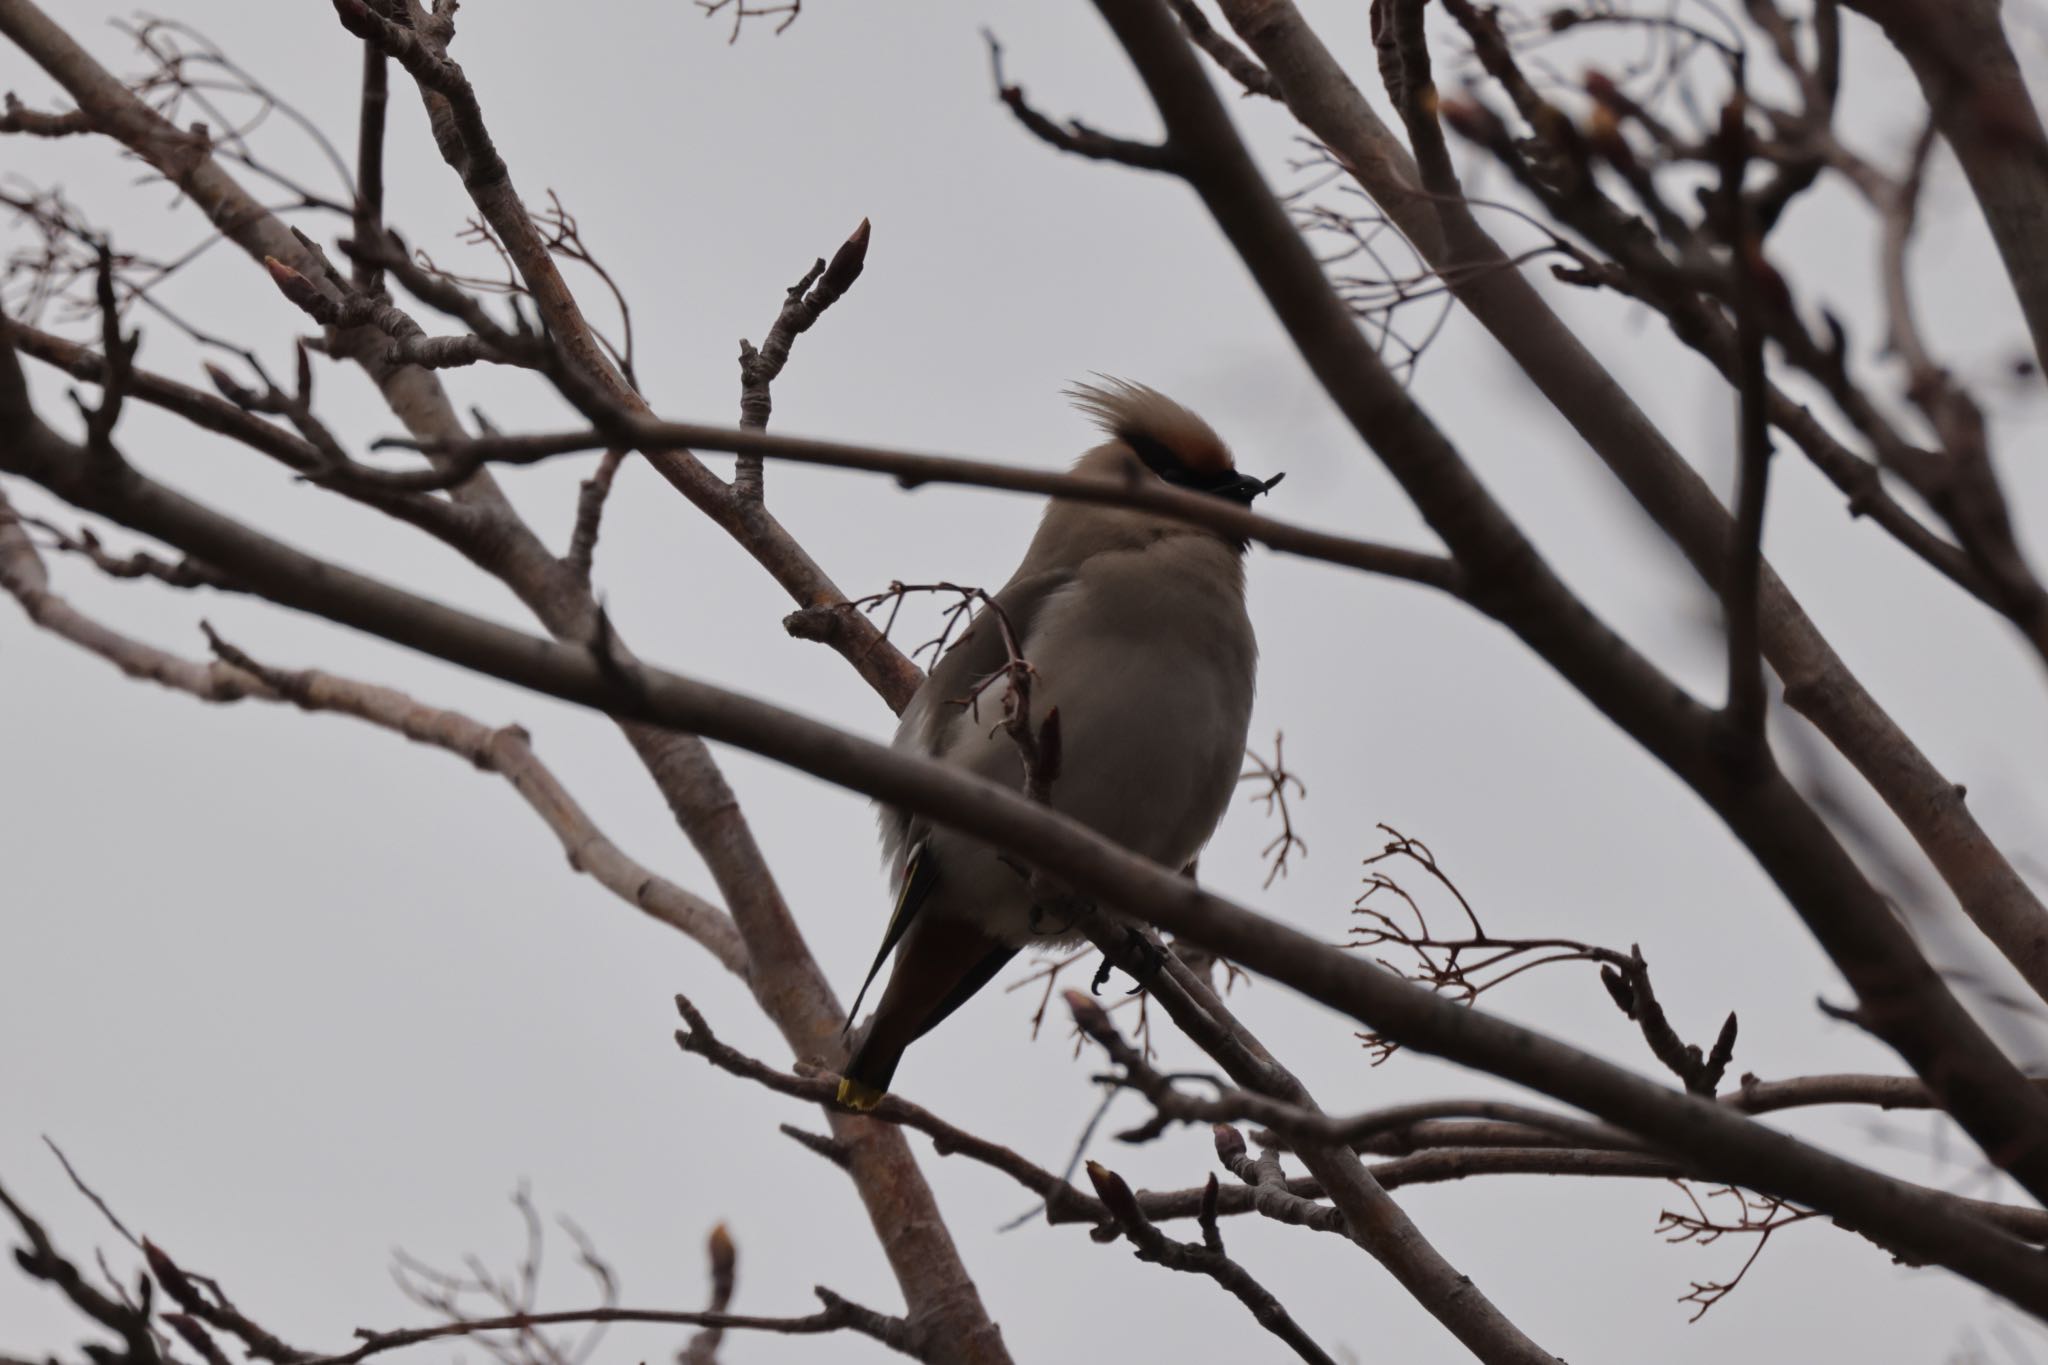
{"points": [[1965, 65], [1817, 683], [1734, 1147], [1902, 999], [936, 1286]]}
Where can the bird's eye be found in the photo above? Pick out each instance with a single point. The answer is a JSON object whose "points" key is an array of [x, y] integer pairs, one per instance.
{"points": [[1157, 455]]}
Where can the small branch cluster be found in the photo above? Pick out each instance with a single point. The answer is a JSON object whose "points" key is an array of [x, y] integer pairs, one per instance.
{"points": [[1207, 1257], [1277, 778], [1707, 271], [1756, 1215], [784, 14], [1462, 966], [1468, 965], [203, 1318], [1037, 745], [475, 1292]]}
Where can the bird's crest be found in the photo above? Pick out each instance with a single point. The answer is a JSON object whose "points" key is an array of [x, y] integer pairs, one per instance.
{"points": [[1148, 421]]}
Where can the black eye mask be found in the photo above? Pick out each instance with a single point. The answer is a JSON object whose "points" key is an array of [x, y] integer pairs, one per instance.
{"points": [[1239, 488]]}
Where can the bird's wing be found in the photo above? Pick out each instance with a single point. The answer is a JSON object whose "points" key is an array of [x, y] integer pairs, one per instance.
{"points": [[931, 722], [980, 650], [927, 723], [920, 871]]}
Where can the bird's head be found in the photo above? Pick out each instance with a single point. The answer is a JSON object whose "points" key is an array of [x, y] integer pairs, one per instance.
{"points": [[1174, 444]]}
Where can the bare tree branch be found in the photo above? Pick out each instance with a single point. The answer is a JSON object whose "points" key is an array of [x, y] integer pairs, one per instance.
{"points": [[1059, 1196], [1150, 1244], [507, 751], [1739, 1150], [838, 1315], [821, 287], [587, 377], [1979, 98], [1074, 136], [1697, 258], [1745, 706], [913, 470], [1817, 683], [1904, 1001], [784, 978]]}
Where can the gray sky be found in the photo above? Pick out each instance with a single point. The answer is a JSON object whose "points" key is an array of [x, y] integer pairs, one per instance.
{"points": [[292, 992]]}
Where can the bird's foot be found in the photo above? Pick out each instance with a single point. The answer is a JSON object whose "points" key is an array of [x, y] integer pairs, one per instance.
{"points": [[1147, 957]]}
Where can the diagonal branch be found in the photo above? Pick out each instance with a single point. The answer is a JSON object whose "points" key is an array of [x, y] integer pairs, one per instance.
{"points": [[1062, 1201], [1371, 1218], [1978, 94], [1745, 708], [1818, 684], [1235, 62], [1737, 1149], [1205, 1258], [1902, 999], [785, 979], [233, 676], [587, 377]]}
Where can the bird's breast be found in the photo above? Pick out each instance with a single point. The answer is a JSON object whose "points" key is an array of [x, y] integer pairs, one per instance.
{"points": [[1152, 669]]}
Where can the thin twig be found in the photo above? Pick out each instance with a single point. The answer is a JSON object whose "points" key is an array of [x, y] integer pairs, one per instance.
{"points": [[822, 286], [1148, 1243]]}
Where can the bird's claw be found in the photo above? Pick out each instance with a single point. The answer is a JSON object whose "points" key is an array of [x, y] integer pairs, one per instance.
{"points": [[1148, 956]]}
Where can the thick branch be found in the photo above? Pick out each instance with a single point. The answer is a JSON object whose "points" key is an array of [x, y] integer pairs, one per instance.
{"points": [[1978, 94], [786, 980], [369, 206], [590, 380], [1745, 707], [1903, 1000], [1817, 683], [1370, 1216], [1734, 1147]]}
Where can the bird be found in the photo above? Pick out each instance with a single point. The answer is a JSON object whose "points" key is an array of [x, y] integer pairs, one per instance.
{"points": [[1136, 634]]}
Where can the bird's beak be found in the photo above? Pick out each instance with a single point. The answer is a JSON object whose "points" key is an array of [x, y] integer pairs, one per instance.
{"points": [[1244, 487]]}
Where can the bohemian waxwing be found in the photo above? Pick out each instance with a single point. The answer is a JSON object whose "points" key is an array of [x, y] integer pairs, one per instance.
{"points": [[1135, 629]]}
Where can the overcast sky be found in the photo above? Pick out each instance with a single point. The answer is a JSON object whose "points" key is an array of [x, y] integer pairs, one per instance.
{"points": [[292, 992]]}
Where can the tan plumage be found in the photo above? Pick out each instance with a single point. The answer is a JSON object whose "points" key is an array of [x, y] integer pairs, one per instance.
{"points": [[1136, 631], [1123, 410]]}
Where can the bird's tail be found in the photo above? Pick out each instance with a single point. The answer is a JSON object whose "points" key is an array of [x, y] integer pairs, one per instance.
{"points": [[868, 1073], [941, 963]]}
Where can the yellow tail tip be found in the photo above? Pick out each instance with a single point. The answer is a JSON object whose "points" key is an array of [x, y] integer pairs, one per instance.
{"points": [[854, 1095]]}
